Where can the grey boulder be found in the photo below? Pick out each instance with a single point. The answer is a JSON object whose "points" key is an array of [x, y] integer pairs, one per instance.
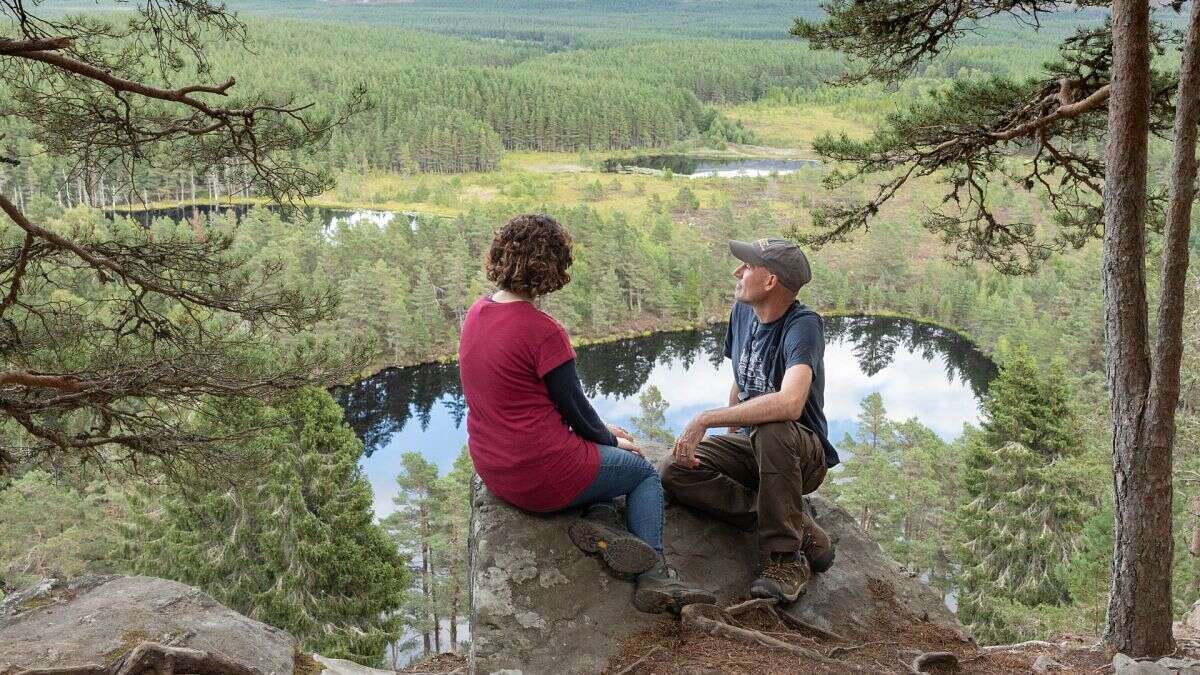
{"points": [[1124, 665], [96, 620]]}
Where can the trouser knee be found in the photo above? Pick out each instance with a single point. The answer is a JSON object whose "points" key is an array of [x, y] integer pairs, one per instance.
{"points": [[774, 439], [670, 474]]}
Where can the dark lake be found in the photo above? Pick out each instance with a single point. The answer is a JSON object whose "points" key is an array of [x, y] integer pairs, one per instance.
{"points": [[710, 167], [332, 218], [920, 370]]}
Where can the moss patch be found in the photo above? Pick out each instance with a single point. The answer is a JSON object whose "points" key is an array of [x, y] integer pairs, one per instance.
{"points": [[304, 664], [37, 602], [129, 640]]}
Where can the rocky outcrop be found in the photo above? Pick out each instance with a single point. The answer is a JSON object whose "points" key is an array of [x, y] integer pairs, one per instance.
{"points": [[343, 667], [96, 621], [1123, 665], [538, 605]]}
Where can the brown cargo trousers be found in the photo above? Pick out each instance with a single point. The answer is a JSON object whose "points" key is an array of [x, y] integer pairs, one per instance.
{"points": [[755, 483]]}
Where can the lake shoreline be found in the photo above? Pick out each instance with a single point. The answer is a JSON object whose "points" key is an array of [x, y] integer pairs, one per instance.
{"points": [[732, 151], [445, 358]]}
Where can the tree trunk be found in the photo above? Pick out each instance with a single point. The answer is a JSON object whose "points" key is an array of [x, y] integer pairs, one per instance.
{"points": [[1139, 607], [1168, 346], [1194, 547], [454, 600], [425, 591], [455, 587], [437, 621]]}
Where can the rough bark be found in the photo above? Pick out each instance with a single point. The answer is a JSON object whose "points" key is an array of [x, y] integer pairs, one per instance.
{"points": [[1168, 346], [1194, 512], [454, 600], [426, 643], [1139, 609]]}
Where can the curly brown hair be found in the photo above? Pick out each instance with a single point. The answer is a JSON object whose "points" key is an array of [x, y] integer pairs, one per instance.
{"points": [[530, 256]]}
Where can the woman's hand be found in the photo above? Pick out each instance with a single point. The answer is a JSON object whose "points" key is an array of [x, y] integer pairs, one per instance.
{"points": [[619, 432], [626, 444]]}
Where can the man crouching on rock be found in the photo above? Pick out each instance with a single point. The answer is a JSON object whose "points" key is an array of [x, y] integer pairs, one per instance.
{"points": [[776, 451]]}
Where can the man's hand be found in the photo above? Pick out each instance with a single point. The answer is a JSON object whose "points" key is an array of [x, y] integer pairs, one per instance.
{"points": [[619, 432], [626, 444], [684, 450]]}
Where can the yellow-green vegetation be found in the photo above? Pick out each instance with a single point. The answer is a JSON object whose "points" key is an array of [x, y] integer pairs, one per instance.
{"points": [[129, 640], [550, 179], [797, 125], [546, 179]]}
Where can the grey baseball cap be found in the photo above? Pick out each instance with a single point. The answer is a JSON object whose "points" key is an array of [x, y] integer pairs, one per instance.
{"points": [[783, 257]]}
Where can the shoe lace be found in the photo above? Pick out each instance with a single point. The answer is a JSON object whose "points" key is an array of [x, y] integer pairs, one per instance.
{"points": [[783, 571]]}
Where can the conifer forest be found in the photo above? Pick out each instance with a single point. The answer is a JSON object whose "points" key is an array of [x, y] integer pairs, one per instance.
{"points": [[220, 221]]}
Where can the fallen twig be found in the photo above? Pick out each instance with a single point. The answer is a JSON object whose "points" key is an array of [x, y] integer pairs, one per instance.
{"points": [[773, 605], [712, 620], [804, 625], [89, 669], [992, 649], [985, 652], [633, 666], [789, 634], [833, 653], [152, 657], [751, 605]]}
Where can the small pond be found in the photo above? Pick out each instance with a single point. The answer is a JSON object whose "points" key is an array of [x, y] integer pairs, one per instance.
{"points": [[709, 167], [920, 370]]}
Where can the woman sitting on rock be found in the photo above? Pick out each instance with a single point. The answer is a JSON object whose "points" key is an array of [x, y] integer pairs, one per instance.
{"points": [[534, 437]]}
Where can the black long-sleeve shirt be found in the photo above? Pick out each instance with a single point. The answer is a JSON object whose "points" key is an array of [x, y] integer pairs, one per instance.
{"points": [[567, 394]]}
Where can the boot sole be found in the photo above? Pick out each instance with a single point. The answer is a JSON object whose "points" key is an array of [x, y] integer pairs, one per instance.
{"points": [[624, 553], [656, 602], [783, 598]]}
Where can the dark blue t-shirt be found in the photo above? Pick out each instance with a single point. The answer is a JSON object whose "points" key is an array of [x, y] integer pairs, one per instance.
{"points": [[761, 353]]}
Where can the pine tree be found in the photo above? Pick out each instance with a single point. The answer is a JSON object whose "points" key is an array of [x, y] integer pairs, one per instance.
{"points": [[652, 422], [605, 308], [413, 527], [1023, 509], [1114, 105], [870, 470], [926, 492], [50, 529], [296, 546], [453, 521]]}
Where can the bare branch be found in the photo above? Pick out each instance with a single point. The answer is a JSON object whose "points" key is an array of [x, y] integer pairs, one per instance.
{"points": [[1093, 102], [17, 47]]}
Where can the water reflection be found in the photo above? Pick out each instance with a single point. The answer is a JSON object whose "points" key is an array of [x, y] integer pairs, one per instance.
{"points": [[875, 340], [921, 370], [332, 218], [379, 407]]}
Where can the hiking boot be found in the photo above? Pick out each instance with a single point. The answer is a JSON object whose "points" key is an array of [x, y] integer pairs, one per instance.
{"points": [[601, 531], [659, 589], [784, 577], [817, 547]]}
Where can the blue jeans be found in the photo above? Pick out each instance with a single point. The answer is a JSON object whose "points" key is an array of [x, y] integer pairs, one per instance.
{"points": [[624, 473]]}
